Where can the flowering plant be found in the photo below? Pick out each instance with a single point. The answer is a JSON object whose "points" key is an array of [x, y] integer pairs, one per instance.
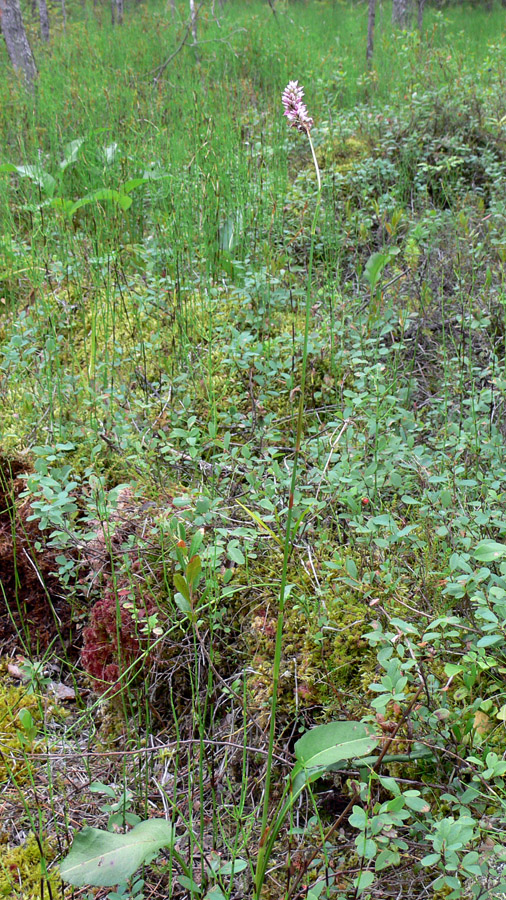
{"points": [[295, 109], [296, 112]]}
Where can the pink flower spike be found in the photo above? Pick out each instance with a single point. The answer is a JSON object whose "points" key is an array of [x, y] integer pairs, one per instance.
{"points": [[295, 109]]}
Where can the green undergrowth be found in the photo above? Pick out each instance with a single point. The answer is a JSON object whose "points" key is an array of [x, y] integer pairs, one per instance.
{"points": [[154, 262]]}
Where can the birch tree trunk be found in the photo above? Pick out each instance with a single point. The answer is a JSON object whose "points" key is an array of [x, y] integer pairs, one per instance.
{"points": [[402, 11], [18, 48], [370, 32], [193, 14], [117, 11], [44, 20]]}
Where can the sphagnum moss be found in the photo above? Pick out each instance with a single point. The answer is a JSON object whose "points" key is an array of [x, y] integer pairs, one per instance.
{"points": [[22, 870]]}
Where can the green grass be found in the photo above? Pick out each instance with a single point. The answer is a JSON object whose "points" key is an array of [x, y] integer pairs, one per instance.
{"points": [[159, 346]]}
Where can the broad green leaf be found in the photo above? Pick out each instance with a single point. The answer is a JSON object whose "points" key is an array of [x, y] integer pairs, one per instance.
{"points": [[215, 894], [63, 204], [103, 859], [230, 231], [367, 848], [358, 818], [183, 604], [385, 859], [133, 183], [490, 640], [363, 881], [25, 717], [451, 669], [488, 551], [190, 885], [100, 788], [196, 543], [193, 570], [110, 153], [417, 804], [238, 865], [71, 152], [123, 200], [181, 584], [351, 568], [326, 745], [42, 179], [375, 265], [235, 553]]}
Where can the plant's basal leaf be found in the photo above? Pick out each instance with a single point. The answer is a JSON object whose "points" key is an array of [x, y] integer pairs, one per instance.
{"points": [[123, 200], [71, 152], [110, 153], [103, 859], [230, 231], [42, 179], [189, 884], [375, 265], [133, 183], [326, 745], [62, 203], [215, 894], [238, 865]]}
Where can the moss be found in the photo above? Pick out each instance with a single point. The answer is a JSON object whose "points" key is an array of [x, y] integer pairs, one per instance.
{"points": [[12, 700], [23, 870], [342, 155], [324, 653]]}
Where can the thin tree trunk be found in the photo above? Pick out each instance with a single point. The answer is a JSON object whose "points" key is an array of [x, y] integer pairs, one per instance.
{"points": [[18, 48], [193, 14], [370, 32], [117, 11], [402, 11], [421, 4], [44, 20], [64, 14], [173, 9]]}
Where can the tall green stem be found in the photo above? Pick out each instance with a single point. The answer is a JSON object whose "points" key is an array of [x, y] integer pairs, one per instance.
{"points": [[261, 860]]}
